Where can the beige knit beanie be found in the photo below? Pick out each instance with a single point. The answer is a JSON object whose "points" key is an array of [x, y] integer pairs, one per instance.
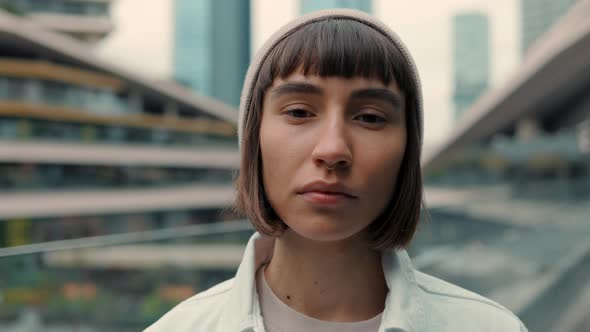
{"points": [[286, 30]]}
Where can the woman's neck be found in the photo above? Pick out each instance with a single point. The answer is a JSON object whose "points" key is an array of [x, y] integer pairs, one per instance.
{"points": [[333, 281]]}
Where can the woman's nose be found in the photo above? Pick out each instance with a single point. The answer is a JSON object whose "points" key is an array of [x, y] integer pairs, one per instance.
{"points": [[332, 149]]}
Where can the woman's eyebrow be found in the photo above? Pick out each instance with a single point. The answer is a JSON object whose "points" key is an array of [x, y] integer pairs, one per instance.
{"points": [[386, 95], [288, 88]]}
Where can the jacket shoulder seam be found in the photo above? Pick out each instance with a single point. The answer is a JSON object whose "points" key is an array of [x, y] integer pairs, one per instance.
{"points": [[467, 297], [224, 287]]}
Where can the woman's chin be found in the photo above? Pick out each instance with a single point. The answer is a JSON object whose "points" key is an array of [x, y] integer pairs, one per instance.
{"points": [[324, 231]]}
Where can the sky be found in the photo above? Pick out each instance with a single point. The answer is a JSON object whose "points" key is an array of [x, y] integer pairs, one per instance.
{"points": [[143, 42]]}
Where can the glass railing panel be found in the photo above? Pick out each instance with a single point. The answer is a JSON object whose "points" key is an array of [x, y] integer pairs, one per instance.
{"points": [[516, 225], [19, 228], [118, 282], [64, 286]]}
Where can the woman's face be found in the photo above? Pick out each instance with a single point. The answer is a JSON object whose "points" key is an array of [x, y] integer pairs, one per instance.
{"points": [[331, 151]]}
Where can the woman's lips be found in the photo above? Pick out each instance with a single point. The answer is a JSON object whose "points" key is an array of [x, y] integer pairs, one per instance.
{"points": [[325, 198]]}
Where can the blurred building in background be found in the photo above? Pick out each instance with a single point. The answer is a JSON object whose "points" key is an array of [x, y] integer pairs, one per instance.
{"points": [[86, 20], [471, 59], [71, 122], [539, 120], [307, 6], [88, 149], [212, 46], [538, 16], [514, 186]]}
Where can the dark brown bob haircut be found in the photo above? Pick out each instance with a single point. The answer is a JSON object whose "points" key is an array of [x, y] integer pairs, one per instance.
{"points": [[341, 47]]}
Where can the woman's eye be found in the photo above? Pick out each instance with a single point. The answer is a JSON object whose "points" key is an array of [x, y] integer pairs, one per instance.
{"points": [[299, 113], [371, 118]]}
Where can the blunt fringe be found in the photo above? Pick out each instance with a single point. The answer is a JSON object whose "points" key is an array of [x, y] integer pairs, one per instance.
{"points": [[339, 47]]}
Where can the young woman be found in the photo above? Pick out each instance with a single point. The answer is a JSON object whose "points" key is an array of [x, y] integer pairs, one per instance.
{"points": [[330, 136]]}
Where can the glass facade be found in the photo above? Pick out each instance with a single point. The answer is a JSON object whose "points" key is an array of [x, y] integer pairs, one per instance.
{"points": [[538, 17], [192, 40], [212, 46], [18, 177], [57, 93], [70, 124], [471, 59], [68, 7], [27, 129], [307, 6]]}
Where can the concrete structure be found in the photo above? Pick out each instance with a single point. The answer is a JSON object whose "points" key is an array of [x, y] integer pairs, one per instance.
{"points": [[307, 6], [212, 46], [86, 20], [546, 94], [471, 59], [81, 138], [538, 16]]}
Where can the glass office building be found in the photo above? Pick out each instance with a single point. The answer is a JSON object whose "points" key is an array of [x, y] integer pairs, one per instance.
{"points": [[192, 40], [307, 6], [471, 59], [538, 16], [212, 46]]}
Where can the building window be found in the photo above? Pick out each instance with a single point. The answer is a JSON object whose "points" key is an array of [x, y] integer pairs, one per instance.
{"points": [[307, 6]]}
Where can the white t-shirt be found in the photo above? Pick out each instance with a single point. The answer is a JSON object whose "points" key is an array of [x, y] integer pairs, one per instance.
{"points": [[279, 317]]}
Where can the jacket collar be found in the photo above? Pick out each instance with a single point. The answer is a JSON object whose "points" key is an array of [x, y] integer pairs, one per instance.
{"points": [[403, 306]]}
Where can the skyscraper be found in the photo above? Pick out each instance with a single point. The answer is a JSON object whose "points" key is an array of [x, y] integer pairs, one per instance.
{"points": [[538, 16], [313, 5], [471, 59], [212, 46]]}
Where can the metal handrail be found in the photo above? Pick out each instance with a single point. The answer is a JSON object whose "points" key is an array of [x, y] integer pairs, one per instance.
{"points": [[129, 238]]}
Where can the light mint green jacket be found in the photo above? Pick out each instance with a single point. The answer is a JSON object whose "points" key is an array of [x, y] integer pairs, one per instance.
{"points": [[416, 302]]}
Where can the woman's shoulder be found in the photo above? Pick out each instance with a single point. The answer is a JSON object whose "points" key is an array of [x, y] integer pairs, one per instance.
{"points": [[445, 300], [200, 312]]}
